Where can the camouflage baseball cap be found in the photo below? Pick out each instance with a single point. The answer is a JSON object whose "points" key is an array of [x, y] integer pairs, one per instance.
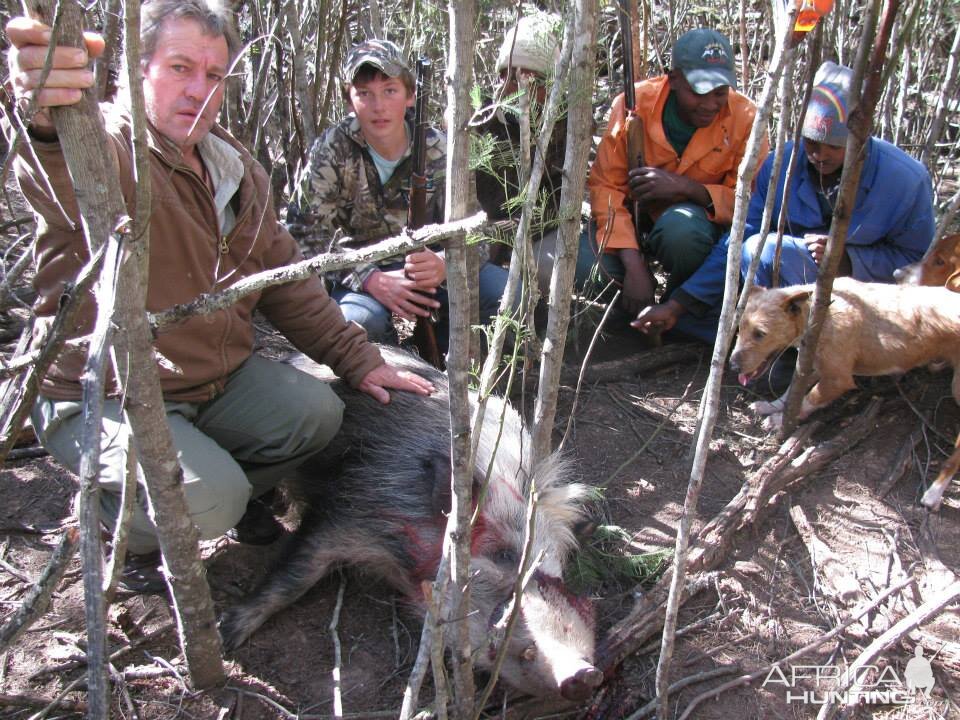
{"points": [[706, 60], [381, 54]]}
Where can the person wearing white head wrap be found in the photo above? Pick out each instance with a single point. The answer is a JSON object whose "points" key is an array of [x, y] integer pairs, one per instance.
{"points": [[532, 44], [530, 50]]}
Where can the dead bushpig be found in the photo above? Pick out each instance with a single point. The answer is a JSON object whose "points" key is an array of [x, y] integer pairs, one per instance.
{"points": [[377, 498]]}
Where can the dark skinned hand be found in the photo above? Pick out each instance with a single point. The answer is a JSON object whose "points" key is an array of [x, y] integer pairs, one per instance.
{"points": [[638, 285], [653, 185]]}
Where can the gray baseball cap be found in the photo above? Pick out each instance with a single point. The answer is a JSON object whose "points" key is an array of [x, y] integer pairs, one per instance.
{"points": [[706, 60], [381, 54]]}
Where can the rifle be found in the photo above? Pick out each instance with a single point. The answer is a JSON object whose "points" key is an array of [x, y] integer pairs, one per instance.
{"points": [[634, 130], [634, 125], [425, 331]]}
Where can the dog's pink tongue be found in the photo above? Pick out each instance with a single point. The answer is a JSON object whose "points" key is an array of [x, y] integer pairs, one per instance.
{"points": [[743, 379]]}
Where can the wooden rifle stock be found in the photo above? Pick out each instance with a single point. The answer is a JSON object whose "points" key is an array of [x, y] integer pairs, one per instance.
{"points": [[425, 330], [633, 124]]}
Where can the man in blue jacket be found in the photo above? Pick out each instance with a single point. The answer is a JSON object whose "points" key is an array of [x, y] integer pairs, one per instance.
{"points": [[891, 224]]}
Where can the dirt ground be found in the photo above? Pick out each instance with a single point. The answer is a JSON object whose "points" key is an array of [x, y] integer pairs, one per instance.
{"points": [[630, 436]]}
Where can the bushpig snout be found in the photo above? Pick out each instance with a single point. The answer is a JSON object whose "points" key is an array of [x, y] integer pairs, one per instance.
{"points": [[582, 685], [378, 497]]}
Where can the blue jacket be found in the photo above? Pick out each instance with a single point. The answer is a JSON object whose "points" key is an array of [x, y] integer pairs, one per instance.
{"points": [[891, 224]]}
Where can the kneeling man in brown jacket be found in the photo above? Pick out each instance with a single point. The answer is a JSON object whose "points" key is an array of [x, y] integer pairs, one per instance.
{"points": [[239, 421]]}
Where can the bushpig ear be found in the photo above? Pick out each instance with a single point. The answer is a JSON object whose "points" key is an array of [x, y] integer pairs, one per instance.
{"points": [[584, 529], [795, 301], [438, 467]]}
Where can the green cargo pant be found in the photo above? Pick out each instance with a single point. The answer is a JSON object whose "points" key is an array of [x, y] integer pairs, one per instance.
{"points": [[269, 418], [681, 239]]}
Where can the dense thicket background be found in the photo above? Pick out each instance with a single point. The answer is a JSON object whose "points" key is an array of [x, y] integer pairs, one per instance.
{"points": [[286, 90]]}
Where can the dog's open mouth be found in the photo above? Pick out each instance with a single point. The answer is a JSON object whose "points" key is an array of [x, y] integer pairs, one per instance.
{"points": [[746, 378]]}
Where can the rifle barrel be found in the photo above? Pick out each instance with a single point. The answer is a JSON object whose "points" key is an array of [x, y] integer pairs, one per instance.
{"points": [[626, 37], [424, 71], [416, 213]]}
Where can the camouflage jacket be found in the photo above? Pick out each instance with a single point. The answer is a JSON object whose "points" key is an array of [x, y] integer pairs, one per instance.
{"points": [[340, 203]]}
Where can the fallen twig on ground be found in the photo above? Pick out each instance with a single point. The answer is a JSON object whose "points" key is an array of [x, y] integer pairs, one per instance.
{"points": [[646, 443], [334, 635], [645, 619], [852, 679], [900, 464], [115, 655], [808, 648], [679, 685], [38, 598], [833, 577], [633, 366], [28, 701]]}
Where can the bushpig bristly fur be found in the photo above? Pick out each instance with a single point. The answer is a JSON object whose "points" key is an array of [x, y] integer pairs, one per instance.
{"points": [[377, 498]]}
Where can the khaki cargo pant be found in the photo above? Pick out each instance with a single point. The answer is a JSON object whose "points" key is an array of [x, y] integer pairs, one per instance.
{"points": [[268, 420]]}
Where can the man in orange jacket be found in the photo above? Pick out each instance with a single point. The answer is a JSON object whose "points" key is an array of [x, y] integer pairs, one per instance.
{"points": [[695, 130]]}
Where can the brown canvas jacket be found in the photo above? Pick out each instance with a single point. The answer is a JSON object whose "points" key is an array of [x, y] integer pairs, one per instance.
{"points": [[187, 258]]}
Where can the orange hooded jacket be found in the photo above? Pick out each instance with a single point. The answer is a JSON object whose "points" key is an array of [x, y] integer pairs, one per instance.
{"points": [[712, 158]]}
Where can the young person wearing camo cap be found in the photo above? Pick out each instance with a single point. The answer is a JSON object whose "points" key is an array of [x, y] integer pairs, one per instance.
{"points": [[354, 191], [695, 131]]}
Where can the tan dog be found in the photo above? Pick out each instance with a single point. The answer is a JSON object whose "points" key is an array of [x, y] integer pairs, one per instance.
{"points": [[939, 266], [870, 329]]}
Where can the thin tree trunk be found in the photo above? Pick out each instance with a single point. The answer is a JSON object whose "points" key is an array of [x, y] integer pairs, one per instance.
{"points": [[91, 547], [105, 67], [947, 94], [97, 189], [523, 254], [868, 75], [579, 131], [179, 539], [459, 79], [711, 394]]}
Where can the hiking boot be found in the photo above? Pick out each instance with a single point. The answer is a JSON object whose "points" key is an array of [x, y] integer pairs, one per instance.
{"points": [[142, 574], [258, 526]]}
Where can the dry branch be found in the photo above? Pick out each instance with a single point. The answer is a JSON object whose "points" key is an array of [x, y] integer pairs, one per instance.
{"points": [[850, 679], [634, 366], [27, 701], [805, 650], [37, 601], [582, 30], [900, 464], [82, 136], [833, 577], [711, 396], [460, 272], [18, 397], [390, 247], [754, 499]]}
